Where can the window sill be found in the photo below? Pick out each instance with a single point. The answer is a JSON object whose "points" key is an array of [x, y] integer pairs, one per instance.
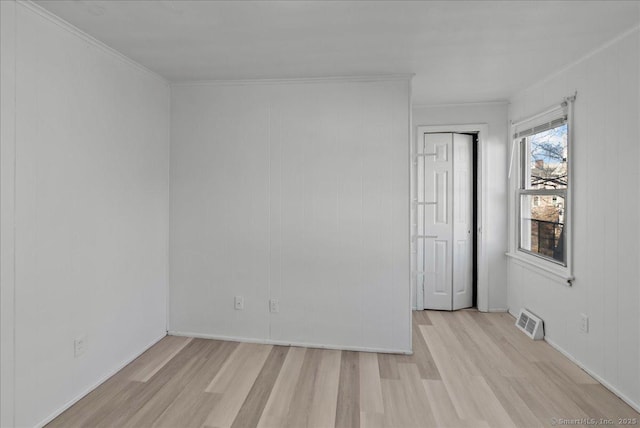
{"points": [[546, 268]]}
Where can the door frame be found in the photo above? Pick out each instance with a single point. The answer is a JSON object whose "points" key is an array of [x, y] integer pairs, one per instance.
{"points": [[482, 129]]}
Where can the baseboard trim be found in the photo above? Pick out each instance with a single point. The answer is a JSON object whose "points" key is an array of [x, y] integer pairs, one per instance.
{"points": [[629, 401], [100, 381], [288, 343]]}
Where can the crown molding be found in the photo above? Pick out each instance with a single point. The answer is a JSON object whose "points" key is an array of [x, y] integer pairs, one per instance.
{"points": [[470, 104], [291, 81], [28, 4]]}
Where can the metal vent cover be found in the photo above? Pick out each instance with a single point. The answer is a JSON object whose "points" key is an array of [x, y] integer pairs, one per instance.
{"points": [[530, 324]]}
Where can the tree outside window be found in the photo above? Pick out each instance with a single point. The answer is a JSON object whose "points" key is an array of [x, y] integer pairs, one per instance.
{"points": [[543, 192]]}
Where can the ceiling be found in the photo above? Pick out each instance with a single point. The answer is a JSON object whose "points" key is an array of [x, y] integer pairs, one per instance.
{"points": [[459, 51]]}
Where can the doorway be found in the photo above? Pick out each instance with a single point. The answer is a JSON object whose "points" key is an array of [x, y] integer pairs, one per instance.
{"points": [[447, 217]]}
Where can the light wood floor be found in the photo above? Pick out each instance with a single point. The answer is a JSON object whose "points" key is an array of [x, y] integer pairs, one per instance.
{"points": [[469, 369]]}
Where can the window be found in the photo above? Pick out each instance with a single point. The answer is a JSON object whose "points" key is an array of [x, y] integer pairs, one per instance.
{"points": [[542, 190]]}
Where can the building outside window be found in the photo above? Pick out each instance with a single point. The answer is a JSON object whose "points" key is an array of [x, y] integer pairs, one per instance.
{"points": [[543, 191]]}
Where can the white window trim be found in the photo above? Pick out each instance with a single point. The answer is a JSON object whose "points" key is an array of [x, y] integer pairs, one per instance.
{"points": [[564, 272]]}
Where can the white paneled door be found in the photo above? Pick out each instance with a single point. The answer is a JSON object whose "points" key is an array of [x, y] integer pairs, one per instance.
{"points": [[462, 221], [444, 218]]}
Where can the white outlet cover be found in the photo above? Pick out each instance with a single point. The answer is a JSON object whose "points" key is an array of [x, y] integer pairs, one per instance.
{"points": [[274, 306], [238, 302], [584, 323], [80, 345]]}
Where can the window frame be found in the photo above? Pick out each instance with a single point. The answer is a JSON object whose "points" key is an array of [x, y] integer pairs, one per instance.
{"points": [[545, 264], [521, 191]]}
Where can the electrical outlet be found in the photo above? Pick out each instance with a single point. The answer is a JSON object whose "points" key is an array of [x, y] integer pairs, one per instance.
{"points": [[584, 323], [274, 306], [80, 345], [238, 303]]}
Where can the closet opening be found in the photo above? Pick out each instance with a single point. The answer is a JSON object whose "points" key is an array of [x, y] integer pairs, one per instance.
{"points": [[446, 235]]}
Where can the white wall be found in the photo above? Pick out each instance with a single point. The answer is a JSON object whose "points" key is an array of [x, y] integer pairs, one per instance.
{"points": [[297, 191], [91, 210], [494, 115], [7, 157], [606, 159]]}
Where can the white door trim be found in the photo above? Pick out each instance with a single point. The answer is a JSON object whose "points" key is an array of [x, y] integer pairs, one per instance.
{"points": [[483, 261]]}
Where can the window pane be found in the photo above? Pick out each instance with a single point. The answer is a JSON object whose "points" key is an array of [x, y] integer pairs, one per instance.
{"points": [[542, 225], [547, 153]]}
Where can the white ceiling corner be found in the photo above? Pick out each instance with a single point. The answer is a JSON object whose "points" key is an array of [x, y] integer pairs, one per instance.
{"points": [[460, 51]]}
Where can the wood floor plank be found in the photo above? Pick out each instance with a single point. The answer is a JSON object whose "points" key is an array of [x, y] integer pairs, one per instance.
{"points": [[387, 364], [416, 401], [152, 356], [372, 420], [395, 414], [545, 408], [174, 345], [444, 324], [514, 405], [444, 412], [188, 413], [496, 366], [324, 406], [370, 387], [490, 407], [253, 406], [405, 401], [192, 406], [234, 381], [454, 375], [468, 370], [482, 345], [421, 317], [422, 357], [348, 405], [277, 408], [315, 400], [171, 389], [122, 410], [299, 409]]}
